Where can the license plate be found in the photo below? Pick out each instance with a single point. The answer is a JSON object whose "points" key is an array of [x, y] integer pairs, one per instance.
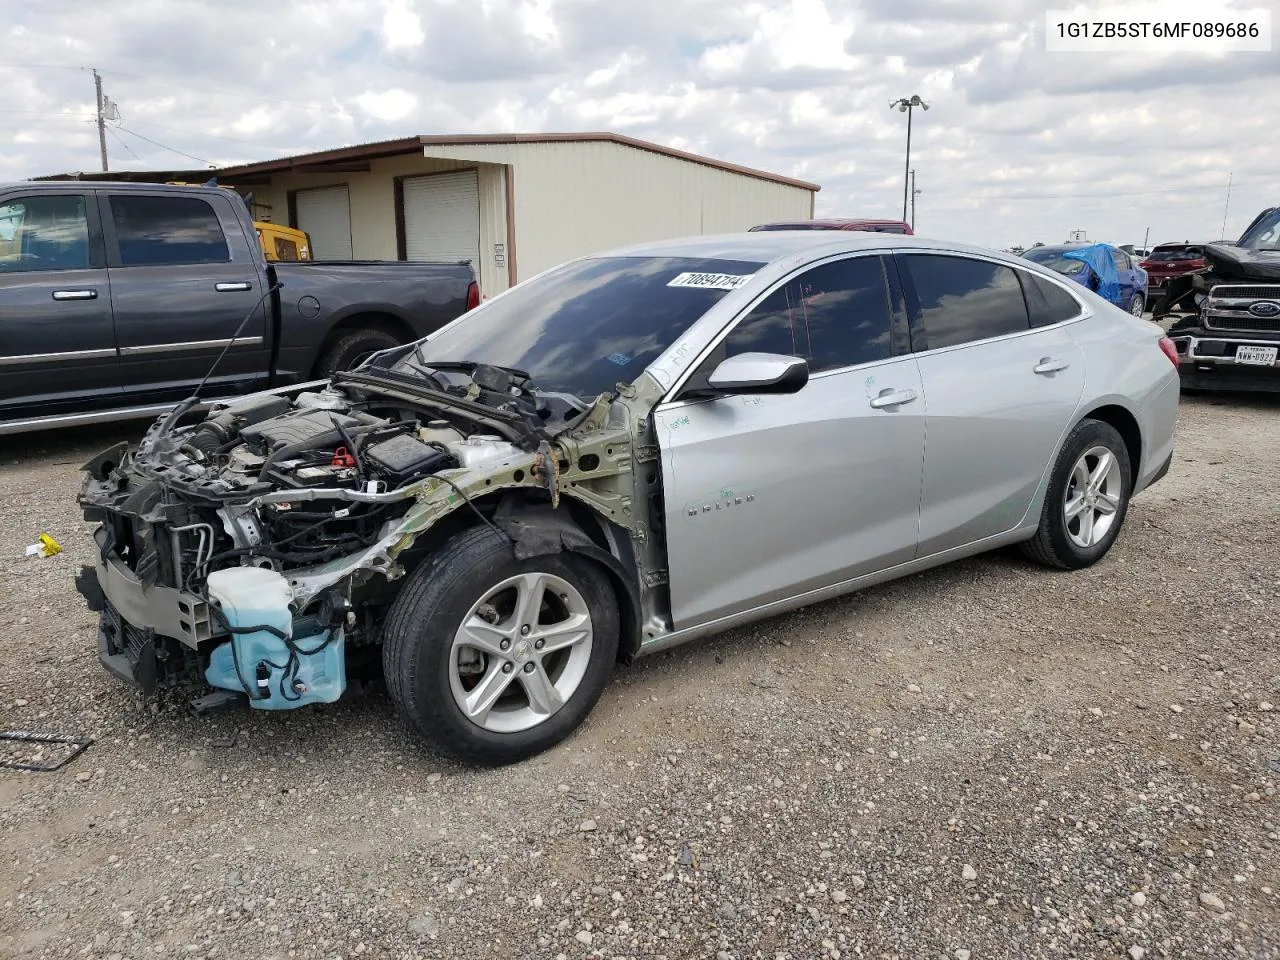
{"points": [[1258, 356]]}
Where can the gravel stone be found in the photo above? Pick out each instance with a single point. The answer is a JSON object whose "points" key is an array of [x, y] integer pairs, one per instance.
{"points": [[968, 873], [1070, 798]]}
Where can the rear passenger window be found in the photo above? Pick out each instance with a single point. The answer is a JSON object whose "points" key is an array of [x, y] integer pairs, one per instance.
{"points": [[156, 230], [962, 300], [1047, 302], [835, 315]]}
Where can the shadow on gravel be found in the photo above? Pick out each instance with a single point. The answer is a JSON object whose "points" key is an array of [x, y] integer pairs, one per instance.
{"points": [[74, 445]]}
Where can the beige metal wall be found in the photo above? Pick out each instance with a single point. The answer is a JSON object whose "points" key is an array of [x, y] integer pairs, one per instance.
{"points": [[580, 197], [373, 207]]}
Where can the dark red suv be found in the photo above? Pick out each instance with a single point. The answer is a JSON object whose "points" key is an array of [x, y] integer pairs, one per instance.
{"points": [[1170, 260], [871, 226]]}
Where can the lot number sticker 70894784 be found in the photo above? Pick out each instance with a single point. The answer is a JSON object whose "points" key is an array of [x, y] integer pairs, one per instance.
{"points": [[711, 281]]}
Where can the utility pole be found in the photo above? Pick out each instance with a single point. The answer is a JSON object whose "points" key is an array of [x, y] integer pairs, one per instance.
{"points": [[914, 193], [102, 123], [907, 105], [1146, 240], [1226, 207]]}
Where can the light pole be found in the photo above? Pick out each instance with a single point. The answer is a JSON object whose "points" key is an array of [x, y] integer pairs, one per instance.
{"points": [[906, 105]]}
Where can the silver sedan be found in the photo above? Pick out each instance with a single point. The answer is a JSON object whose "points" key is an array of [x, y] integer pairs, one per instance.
{"points": [[628, 452]]}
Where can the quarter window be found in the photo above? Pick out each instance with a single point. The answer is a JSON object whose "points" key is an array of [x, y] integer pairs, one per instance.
{"points": [[44, 233], [962, 300], [835, 315], [155, 230], [1047, 302]]}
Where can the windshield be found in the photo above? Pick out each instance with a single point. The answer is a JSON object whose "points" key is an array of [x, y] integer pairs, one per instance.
{"points": [[1055, 261], [1265, 234], [1161, 256], [591, 324]]}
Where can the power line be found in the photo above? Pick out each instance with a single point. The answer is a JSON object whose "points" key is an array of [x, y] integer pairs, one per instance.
{"points": [[197, 133], [134, 133], [1124, 193], [123, 143]]}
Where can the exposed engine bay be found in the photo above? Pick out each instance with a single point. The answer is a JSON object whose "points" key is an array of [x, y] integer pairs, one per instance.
{"points": [[261, 541]]}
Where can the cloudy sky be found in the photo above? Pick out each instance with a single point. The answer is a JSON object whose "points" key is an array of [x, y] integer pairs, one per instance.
{"points": [[1019, 145]]}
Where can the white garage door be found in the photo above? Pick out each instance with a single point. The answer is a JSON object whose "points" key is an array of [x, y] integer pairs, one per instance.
{"points": [[442, 217], [325, 214]]}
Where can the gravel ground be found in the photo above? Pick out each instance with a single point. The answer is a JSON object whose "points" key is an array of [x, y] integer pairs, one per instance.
{"points": [[987, 760]]}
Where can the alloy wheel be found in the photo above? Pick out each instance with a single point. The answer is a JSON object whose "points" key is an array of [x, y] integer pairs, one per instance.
{"points": [[521, 652], [1092, 498]]}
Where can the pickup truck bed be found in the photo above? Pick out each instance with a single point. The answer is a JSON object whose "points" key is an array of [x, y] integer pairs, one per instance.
{"points": [[116, 299]]}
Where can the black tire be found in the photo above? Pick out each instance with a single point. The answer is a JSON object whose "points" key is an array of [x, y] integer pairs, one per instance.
{"points": [[1140, 302], [1052, 545], [351, 347], [420, 628]]}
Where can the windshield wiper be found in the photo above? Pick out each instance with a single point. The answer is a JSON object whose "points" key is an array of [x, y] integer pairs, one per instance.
{"points": [[468, 366]]}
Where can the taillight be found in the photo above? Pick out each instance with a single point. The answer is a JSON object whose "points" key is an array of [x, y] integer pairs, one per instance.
{"points": [[1169, 349], [473, 295]]}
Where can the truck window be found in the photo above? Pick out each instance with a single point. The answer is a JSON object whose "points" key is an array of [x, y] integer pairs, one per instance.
{"points": [[167, 230], [44, 233]]}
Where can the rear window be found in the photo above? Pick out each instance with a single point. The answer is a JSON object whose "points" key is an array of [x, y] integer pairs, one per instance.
{"points": [[1161, 256], [167, 230], [591, 324], [1047, 303], [962, 300]]}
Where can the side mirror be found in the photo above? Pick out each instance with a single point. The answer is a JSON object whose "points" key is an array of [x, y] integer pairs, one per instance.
{"points": [[759, 373]]}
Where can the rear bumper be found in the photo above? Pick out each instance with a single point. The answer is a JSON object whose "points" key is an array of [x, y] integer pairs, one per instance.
{"points": [[1209, 363]]}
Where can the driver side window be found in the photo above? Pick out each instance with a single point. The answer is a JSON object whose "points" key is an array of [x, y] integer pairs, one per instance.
{"points": [[44, 233], [834, 315]]}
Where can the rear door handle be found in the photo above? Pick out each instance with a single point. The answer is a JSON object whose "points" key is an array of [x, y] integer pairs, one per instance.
{"points": [[892, 398], [1049, 365], [75, 294], [238, 287]]}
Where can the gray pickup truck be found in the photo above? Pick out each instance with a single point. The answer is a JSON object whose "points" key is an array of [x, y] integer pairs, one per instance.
{"points": [[116, 299]]}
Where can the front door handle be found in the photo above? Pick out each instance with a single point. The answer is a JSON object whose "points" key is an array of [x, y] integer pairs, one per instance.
{"points": [[239, 287], [1049, 365], [75, 294], [892, 398]]}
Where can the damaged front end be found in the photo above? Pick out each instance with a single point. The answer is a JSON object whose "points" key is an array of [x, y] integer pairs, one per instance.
{"points": [[258, 548]]}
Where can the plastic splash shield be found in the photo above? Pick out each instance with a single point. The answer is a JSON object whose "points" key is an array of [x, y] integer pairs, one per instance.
{"points": [[277, 670]]}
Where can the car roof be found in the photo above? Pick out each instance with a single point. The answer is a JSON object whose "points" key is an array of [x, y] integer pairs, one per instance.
{"points": [[73, 186], [765, 246], [839, 223]]}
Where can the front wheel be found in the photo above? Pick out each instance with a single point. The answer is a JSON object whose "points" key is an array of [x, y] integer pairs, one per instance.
{"points": [[1087, 499], [352, 348], [496, 659]]}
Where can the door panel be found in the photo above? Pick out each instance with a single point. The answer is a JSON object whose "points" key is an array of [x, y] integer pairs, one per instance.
{"points": [[182, 279], [993, 425], [768, 497], [57, 341]]}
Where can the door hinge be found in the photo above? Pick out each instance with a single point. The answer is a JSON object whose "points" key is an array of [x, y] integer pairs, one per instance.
{"points": [[655, 578]]}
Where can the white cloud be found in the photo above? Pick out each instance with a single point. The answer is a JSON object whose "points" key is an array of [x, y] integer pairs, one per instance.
{"points": [[389, 105], [401, 27], [800, 87]]}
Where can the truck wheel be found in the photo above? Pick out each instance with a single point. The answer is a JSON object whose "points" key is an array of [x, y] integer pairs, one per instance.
{"points": [[495, 659], [351, 348], [1087, 499]]}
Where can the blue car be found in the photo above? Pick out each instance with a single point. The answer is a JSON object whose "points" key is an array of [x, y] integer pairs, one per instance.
{"points": [[1106, 270]]}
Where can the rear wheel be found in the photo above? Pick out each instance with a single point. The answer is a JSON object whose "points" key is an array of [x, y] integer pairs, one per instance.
{"points": [[1137, 305], [352, 348], [496, 659], [1087, 499]]}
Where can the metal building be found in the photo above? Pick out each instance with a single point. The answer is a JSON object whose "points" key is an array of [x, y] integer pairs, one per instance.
{"points": [[514, 204]]}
